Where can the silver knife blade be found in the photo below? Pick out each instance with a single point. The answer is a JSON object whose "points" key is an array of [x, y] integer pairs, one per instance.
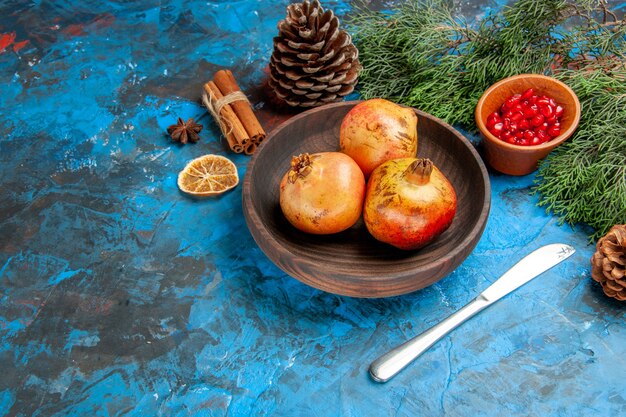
{"points": [[528, 268]]}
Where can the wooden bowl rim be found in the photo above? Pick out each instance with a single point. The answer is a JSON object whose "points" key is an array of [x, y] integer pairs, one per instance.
{"points": [[468, 243], [527, 148]]}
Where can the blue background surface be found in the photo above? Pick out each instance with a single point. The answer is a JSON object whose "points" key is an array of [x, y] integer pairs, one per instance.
{"points": [[121, 296]]}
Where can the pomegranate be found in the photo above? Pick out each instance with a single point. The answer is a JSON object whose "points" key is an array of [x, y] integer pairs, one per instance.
{"points": [[408, 203], [377, 130], [526, 119], [322, 193]]}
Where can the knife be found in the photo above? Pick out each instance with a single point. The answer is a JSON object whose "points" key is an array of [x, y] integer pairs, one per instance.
{"points": [[534, 264]]}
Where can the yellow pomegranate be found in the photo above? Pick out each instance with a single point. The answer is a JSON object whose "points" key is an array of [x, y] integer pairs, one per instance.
{"points": [[322, 193]]}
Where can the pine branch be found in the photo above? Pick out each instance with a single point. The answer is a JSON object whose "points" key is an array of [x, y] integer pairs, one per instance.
{"points": [[423, 56]]}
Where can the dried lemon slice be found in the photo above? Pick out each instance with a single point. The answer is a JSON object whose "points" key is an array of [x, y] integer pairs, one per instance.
{"points": [[208, 175]]}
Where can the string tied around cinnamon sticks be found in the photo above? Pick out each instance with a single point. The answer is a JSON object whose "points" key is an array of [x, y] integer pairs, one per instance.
{"points": [[233, 113], [215, 107]]}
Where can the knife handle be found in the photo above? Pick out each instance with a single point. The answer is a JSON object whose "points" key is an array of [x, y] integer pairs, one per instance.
{"points": [[389, 364]]}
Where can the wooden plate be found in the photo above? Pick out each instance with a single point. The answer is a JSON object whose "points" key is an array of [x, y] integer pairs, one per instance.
{"points": [[352, 262]]}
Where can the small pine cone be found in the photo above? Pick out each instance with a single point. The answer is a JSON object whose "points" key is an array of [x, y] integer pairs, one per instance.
{"points": [[314, 62], [608, 264]]}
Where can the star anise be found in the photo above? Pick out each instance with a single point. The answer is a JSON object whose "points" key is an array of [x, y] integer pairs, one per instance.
{"points": [[184, 132]]}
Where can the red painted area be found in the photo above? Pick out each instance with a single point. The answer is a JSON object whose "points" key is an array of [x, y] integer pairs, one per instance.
{"points": [[6, 39], [103, 20], [19, 45], [100, 21], [74, 30]]}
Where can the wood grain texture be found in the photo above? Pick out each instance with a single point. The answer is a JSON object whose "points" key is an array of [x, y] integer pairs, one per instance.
{"points": [[352, 262], [522, 160]]}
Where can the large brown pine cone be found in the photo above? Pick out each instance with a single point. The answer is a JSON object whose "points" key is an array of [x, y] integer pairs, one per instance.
{"points": [[609, 262], [314, 62]]}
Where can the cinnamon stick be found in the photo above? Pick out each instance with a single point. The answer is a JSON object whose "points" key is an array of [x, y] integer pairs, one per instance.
{"points": [[225, 81], [231, 126], [250, 148]]}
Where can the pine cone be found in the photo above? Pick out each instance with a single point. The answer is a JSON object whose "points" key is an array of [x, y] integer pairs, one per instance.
{"points": [[314, 62], [609, 262]]}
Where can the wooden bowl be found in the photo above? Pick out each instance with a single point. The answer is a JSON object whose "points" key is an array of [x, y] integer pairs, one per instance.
{"points": [[516, 159], [352, 262]]}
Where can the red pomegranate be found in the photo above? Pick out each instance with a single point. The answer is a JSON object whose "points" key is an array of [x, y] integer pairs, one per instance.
{"points": [[408, 203]]}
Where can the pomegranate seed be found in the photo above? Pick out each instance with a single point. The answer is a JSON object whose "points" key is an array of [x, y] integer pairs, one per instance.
{"points": [[513, 100], [551, 119], [528, 94], [547, 111], [537, 120], [535, 141], [493, 118], [496, 129], [558, 111], [531, 110], [543, 102], [523, 124], [517, 116], [529, 134], [554, 131]]}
